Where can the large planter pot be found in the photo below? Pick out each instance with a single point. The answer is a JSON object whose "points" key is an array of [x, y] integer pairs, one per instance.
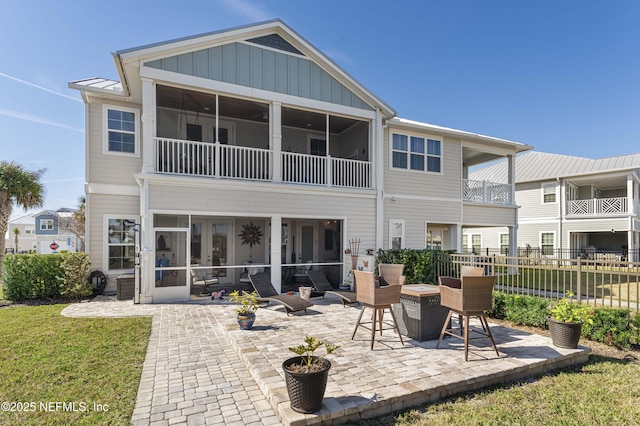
{"points": [[245, 321], [564, 334], [306, 390]]}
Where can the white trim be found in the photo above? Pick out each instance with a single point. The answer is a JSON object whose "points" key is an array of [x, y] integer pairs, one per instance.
{"points": [[323, 139], [105, 130], [500, 234], [549, 185], [392, 223], [540, 240], [425, 154], [47, 221], [112, 189], [106, 243]]}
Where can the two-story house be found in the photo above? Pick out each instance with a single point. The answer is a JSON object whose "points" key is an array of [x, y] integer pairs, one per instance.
{"points": [[570, 206], [248, 146], [41, 232]]}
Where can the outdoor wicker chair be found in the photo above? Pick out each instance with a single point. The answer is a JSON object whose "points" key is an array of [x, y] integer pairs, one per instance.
{"points": [[377, 299], [471, 299], [267, 293], [322, 286], [391, 273]]}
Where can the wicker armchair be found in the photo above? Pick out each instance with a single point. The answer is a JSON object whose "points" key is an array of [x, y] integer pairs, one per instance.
{"points": [[377, 299], [471, 299], [392, 273]]}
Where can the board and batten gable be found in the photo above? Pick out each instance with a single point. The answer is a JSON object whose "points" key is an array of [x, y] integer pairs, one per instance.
{"points": [[106, 167], [272, 70]]}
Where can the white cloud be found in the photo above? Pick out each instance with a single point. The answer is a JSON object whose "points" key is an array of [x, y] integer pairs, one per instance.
{"points": [[44, 89], [36, 119], [247, 9]]}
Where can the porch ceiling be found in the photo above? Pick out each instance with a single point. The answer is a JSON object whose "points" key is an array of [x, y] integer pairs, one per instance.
{"points": [[472, 156]]}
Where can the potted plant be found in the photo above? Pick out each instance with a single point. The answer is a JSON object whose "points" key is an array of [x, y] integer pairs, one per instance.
{"points": [[565, 322], [306, 375], [247, 309]]}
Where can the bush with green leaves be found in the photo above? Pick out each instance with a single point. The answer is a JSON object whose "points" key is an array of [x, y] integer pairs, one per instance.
{"points": [[419, 265], [526, 310], [74, 283], [46, 276], [614, 327]]}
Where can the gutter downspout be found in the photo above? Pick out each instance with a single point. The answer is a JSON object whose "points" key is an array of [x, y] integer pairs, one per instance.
{"points": [[560, 204]]}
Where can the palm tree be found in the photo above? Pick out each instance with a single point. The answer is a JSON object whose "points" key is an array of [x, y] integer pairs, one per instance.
{"points": [[16, 232], [20, 187]]}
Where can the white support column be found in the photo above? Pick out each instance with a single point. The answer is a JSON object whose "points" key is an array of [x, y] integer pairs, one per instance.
{"points": [[217, 156], [376, 148], [276, 140], [147, 246], [148, 125], [457, 231], [511, 176], [276, 252], [630, 198]]}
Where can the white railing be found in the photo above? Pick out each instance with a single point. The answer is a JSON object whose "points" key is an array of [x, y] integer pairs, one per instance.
{"points": [[182, 157], [329, 171], [192, 158], [304, 168], [485, 192], [597, 206]]}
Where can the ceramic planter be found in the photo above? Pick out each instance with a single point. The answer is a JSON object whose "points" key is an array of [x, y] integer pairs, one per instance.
{"points": [[245, 321]]}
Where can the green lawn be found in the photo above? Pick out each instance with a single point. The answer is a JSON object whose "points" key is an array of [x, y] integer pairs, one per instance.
{"points": [[605, 391], [47, 359]]}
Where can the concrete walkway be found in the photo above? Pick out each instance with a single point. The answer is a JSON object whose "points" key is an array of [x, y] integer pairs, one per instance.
{"points": [[201, 369]]}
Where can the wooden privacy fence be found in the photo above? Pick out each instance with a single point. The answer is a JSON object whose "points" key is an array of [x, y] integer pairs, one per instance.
{"points": [[597, 282]]}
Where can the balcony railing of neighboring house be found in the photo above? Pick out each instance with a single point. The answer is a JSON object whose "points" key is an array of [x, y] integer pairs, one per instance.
{"points": [[485, 192], [597, 206], [181, 157]]}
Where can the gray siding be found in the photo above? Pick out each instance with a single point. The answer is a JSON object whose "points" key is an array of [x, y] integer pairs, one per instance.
{"points": [[480, 215], [252, 66]]}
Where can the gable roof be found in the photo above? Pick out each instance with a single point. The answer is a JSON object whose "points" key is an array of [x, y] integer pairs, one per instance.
{"points": [[537, 166], [29, 219], [274, 33]]}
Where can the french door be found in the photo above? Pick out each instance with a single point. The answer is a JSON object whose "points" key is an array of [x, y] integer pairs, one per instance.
{"points": [[211, 246]]}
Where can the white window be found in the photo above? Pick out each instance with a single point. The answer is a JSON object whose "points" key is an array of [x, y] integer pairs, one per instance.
{"points": [[433, 239], [549, 193], [416, 153], [396, 234], [46, 224], [29, 231], [465, 243], [317, 147], [120, 240], [504, 243], [120, 130], [547, 243], [476, 242]]}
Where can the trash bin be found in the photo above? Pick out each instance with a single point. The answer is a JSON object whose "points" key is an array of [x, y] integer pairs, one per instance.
{"points": [[125, 286]]}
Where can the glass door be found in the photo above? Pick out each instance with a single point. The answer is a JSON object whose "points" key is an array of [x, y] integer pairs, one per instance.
{"points": [[219, 247]]}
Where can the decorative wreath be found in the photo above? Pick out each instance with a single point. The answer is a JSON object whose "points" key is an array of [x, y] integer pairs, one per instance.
{"points": [[250, 234]]}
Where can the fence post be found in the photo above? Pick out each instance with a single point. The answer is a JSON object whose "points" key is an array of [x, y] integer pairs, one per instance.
{"points": [[579, 281]]}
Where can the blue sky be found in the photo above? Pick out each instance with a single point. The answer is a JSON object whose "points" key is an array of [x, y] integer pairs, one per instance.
{"points": [[561, 76]]}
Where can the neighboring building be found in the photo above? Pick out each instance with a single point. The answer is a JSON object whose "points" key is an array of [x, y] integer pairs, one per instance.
{"points": [[214, 146], [569, 206], [41, 232]]}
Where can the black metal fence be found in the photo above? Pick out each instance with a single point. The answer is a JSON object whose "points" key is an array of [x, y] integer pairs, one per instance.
{"points": [[587, 254]]}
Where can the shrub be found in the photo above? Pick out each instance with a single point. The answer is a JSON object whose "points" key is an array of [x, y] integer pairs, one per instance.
{"points": [[73, 283], [526, 310], [614, 327], [499, 310], [32, 276], [420, 265]]}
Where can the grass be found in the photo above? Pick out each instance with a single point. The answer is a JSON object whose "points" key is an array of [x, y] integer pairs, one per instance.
{"points": [[47, 358], [604, 391]]}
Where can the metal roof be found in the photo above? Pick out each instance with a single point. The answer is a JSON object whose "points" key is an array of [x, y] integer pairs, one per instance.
{"points": [[98, 84], [29, 219], [537, 166]]}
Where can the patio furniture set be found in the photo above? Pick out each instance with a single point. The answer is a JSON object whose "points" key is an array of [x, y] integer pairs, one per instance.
{"points": [[419, 311]]}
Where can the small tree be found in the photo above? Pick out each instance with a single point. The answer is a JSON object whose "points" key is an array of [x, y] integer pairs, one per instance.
{"points": [[16, 232], [75, 223], [20, 187]]}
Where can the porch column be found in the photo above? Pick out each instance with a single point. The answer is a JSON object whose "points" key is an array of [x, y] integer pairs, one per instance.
{"points": [[457, 231], [148, 124], [511, 177], [276, 145], [630, 198], [276, 252], [147, 246]]}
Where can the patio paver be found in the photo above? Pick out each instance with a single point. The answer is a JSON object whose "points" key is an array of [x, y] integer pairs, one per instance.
{"points": [[201, 369]]}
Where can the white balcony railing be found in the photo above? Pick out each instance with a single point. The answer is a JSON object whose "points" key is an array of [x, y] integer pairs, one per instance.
{"points": [[181, 157], [485, 192], [597, 206]]}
